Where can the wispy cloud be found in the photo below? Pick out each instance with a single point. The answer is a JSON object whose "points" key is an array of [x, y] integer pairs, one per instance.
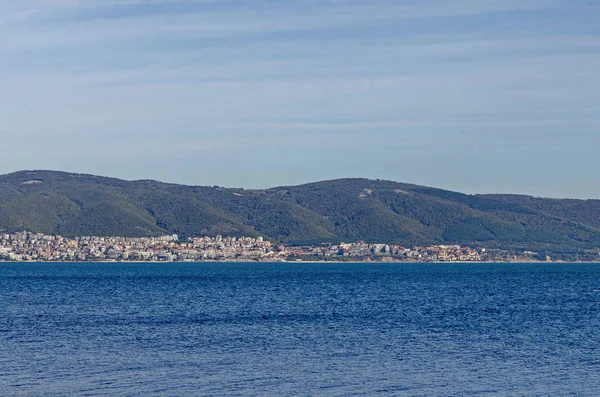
{"points": [[389, 74]]}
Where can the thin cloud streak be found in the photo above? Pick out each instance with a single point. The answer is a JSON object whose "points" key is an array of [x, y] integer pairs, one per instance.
{"points": [[273, 82]]}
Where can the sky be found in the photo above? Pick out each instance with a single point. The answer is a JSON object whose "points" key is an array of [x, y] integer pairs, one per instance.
{"points": [[478, 96]]}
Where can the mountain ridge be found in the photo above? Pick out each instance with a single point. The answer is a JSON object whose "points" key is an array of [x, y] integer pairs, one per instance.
{"points": [[345, 209]]}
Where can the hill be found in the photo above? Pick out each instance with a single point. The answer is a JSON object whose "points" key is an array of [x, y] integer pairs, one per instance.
{"points": [[340, 210]]}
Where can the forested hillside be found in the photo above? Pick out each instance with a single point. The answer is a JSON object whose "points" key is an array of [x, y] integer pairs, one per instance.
{"points": [[346, 209]]}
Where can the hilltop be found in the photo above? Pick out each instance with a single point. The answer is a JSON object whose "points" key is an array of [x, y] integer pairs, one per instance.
{"points": [[71, 204]]}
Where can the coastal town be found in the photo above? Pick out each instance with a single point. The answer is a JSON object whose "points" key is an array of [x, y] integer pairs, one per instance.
{"points": [[25, 246]]}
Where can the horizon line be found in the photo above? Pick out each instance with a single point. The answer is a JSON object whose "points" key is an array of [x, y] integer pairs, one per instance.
{"points": [[284, 186]]}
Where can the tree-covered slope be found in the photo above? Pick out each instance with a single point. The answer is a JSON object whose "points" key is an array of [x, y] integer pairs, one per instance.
{"points": [[417, 214], [584, 211], [345, 209]]}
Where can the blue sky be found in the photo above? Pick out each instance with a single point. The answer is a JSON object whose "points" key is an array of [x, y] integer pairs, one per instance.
{"points": [[470, 95]]}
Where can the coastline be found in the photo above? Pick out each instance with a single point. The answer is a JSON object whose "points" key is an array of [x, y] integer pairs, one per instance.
{"points": [[315, 262]]}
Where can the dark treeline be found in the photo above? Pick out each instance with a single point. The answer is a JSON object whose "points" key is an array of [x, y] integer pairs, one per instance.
{"points": [[340, 210]]}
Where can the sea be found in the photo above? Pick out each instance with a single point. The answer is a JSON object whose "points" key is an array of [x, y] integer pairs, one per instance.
{"points": [[299, 329]]}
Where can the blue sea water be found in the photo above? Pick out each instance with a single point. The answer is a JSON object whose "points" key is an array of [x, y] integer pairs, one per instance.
{"points": [[78, 329]]}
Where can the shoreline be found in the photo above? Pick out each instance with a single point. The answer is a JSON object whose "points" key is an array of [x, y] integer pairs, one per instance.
{"points": [[314, 262]]}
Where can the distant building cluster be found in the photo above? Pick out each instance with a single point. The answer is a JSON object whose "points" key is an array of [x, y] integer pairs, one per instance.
{"points": [[362, 250], [25, 246]]}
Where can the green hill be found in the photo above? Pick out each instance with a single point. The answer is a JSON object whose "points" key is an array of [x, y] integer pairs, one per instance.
{"points": [[345, 209]]}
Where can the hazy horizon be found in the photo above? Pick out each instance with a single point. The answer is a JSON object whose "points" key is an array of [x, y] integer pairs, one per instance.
{"points": [[475, 96], [173, 181]]}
